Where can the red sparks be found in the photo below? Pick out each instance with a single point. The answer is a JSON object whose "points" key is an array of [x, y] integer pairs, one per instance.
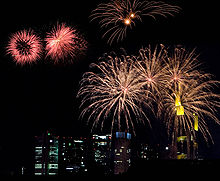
{"points": [[63, 42], [24, 46]]}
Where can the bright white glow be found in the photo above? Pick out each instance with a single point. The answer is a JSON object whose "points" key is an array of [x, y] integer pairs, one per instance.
{"points": [[127, 21]]}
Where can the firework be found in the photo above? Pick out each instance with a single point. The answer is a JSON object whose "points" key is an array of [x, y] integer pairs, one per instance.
{"points": [[119, 15], [25, 47], [172, 82], [149, 65], [113, 92], [189, 92], [64, 42]]}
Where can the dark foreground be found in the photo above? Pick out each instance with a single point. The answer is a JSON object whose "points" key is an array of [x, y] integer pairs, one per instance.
{"points": [[151, 170]]}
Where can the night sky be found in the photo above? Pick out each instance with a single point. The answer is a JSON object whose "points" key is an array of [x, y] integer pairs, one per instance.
{"points": [[40, 96]]}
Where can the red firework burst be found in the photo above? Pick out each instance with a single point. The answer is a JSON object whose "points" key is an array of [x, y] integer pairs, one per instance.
{"points": [[24, 46], [63, 42]]}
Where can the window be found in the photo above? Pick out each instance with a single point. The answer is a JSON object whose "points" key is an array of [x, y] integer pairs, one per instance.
{"points": [[120, 135], [38, 166], [128, 150], [53, 166], [128, 136]]}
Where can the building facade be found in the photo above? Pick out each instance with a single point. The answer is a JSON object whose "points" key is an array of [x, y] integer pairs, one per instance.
{"points": [[46, 154], [121, 152], [99, 154], [101, 146], [72, 155]]}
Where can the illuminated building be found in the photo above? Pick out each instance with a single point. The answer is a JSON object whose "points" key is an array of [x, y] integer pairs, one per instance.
{"points": [[182, 147], [187, 148], [121, 152], [101, 146], [46, 154], [179, 107], [148, 152], [72, 155]]}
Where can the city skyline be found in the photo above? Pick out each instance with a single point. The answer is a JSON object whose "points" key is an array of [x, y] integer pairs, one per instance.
{"points": [[40, 96], [106, 154], [66, 155]]}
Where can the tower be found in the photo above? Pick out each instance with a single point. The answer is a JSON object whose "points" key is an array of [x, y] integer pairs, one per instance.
{"points": [[72, 155], [101, 146], [46, 154], [121, 152]]}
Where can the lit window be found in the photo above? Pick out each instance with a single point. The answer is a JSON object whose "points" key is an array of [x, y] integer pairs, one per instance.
{"points": [[128, 136], [38, 166], [128, 150], [121, 150]]}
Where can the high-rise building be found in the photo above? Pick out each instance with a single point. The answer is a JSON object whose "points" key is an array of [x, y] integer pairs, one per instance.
{"points": [[46, 154], [148, 152], [187, 147], [101, 146], [121, 152], [72, 155]]}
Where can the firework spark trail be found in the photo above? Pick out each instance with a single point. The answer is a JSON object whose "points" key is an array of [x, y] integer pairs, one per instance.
{"points": [[173, 81], [119, 15], [114, 91], [149, 65], [194, 90], [25, 47], [64, 42]]}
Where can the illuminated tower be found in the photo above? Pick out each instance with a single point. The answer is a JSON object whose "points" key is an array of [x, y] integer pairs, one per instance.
{"points": [[121, 152], [187, 146], [72, 156], [101, 146], [46, 154]]}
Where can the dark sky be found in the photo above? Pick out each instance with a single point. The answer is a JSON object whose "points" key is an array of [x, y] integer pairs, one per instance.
{"points": [[40, 96]]}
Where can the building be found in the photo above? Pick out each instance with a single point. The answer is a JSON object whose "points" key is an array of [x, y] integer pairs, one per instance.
{"points": [[46, 154], [187, 147], [99, 154], [148, 152], [101, 146], [72, 156], [121, 152]]}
